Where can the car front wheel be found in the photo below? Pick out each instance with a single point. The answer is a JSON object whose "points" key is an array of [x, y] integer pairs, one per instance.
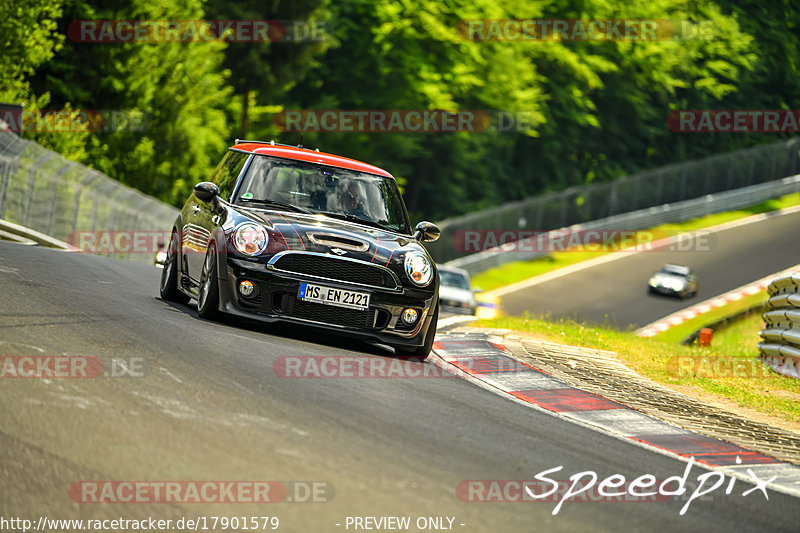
{"points": [[208, 293], [169, 275]]}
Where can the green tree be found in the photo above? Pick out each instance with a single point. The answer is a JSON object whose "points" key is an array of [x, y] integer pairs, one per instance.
{"points": [[411, 55], [263, 71], [180, 88], [29, 39]]}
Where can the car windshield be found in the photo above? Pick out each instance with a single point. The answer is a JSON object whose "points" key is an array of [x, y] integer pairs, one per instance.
{"points": [[453, 279], [312, 188], [674, 270]]}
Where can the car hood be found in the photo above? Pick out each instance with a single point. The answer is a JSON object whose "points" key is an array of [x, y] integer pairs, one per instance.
{"points": [[324, 234], [454, 293], [663, 280]]}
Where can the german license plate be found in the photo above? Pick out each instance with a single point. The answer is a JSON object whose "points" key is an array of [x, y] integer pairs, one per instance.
{"points": [[331, 296]]}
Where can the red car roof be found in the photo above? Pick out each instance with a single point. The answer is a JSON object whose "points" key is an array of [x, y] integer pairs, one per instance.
{"points": [[312, 156]]}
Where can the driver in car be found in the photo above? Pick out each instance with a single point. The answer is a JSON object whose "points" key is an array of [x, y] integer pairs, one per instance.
{"points": [[352, 201]]}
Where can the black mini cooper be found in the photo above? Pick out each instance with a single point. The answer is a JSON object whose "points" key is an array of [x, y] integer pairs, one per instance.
{"points": [[284, 233]]}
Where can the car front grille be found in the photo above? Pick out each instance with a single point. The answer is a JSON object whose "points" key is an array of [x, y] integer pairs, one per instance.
{"points": [[333, 268], [329, 314]]}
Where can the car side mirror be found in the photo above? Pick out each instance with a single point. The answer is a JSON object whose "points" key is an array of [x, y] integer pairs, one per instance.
{"points": [[477, 290], [206, 191], [426, 232]]}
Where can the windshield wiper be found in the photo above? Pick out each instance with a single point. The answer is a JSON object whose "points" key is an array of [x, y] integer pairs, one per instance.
{"points": [[275, 204], [354, 218]]}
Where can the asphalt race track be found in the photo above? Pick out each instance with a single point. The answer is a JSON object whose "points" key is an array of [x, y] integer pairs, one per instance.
{"points": [[204, 403], [616, 292]]}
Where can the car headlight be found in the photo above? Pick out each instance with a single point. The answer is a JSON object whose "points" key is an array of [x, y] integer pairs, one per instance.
{"points": [[250, 239], [161, 258], [418, 268]]}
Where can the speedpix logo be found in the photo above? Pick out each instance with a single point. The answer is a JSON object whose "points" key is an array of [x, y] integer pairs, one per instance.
{"points": [[589, 487]]}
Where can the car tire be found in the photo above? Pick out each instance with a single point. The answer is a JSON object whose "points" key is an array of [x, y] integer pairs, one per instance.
{"points": [[169, 274], [208, 291], [421, 352]]}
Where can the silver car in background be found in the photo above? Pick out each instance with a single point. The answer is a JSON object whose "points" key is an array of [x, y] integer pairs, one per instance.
{"points": [[673, 280], [455, 291]]}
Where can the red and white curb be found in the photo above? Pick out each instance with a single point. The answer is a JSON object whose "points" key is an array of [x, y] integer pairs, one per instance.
{"points": [[481, 358], [689, 313]]}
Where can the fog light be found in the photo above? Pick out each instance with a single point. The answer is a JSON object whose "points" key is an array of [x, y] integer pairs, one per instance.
{"points": [[246, 287], [409, 315]]}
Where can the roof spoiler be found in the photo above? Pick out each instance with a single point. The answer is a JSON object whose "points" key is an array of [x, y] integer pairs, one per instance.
{"points": [[273, 143]]}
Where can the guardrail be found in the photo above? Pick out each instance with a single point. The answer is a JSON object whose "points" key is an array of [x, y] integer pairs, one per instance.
{"points": [[638, 220], [650, 188], [781, 347], [41, 190]]}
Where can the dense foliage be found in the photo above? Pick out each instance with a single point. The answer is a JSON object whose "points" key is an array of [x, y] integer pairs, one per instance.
{"points": [[591, 110]]}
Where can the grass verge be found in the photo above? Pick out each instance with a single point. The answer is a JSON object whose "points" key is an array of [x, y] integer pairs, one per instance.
{"points": [[520, 270], [680, 367], [740, 338]]}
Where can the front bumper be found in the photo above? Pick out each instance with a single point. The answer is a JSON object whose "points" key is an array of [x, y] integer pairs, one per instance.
{"points": [[669, 291], [275, 300]]}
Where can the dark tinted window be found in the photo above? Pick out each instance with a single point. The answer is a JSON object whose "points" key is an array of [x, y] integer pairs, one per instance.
{"points": [[453, 279], [321, 189], [227, 172], [675, 270]]}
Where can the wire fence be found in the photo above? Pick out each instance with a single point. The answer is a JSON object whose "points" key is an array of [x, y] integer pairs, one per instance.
{"points": [[43, 191], [526, 249], [664, 185]]}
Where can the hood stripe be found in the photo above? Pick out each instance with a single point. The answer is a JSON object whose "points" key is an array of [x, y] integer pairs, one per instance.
{"points": [[377, 245], [295, 230], [279, 231], [391, 254]]}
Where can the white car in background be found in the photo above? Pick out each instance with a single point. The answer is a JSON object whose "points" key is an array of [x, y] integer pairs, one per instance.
{"points": [[673, 280], [456, 294]]}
